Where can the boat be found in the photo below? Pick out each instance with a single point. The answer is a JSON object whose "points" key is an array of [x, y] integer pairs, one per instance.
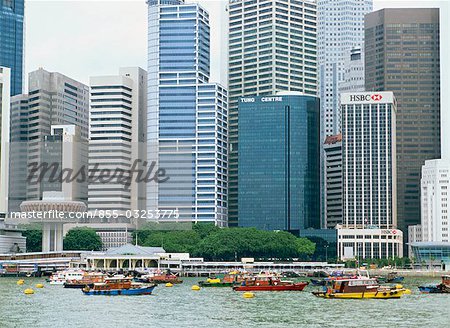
{"points": [[60, 277], [163, 279], [269, 284], [340, 275], [392, 278], [89, 279], [229, 280], [442, 288], [318, 282], [118, 286], [359, 289]]}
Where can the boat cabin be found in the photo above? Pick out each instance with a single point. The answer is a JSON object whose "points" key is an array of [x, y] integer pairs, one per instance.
{"points": [[352, 285]]}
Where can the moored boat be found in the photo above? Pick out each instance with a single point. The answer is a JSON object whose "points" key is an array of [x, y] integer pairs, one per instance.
{"points": [[442, 288], [89, 279], [269, 284], [229, 280], [359, 289], [118, 286], [60, 277]]}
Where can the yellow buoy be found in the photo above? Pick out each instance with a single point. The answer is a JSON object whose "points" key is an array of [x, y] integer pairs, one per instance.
{"points": [[248, 295], [407, 291], [169, 284], [39, 286], [195, 287], [20, 282], [28, 291]]}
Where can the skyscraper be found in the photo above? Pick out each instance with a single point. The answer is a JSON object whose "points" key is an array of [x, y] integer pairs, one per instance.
{"points": [[5, 105], [12, 41], [435, 185], [53, 99], [187, 116], [279, 162], [369, 177], [333, 181], [272, 48], [353, 74], [340, 29], [340, 26], [402, 55], [118, 132]]}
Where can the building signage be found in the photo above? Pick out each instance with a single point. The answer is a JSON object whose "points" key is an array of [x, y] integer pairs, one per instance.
{"points": [[367, 98], [263, 99]]}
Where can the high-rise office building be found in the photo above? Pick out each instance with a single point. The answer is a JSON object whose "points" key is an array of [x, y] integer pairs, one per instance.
{"points": [[279, 162], [12, 41], [18, 151], [340, 29], [5, 105], [272, 48], [402, 55], [53, 99], [429, 242], [435, 186], [333, 181], [369, 177], [187, 117], [117, 141], [353, 75]]}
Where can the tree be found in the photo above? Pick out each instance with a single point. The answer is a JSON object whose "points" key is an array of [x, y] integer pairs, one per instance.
{"points": [[173, 241], [34, 240], [82, 239]]}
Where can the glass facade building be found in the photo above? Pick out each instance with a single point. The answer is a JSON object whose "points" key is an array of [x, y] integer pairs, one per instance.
{"points": [[279, 162], [187, 116], [12, 41], [433, 253]]}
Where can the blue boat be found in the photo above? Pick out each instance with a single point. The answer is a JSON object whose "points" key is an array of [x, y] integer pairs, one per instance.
{"points": [[430, 289], [442, 288], [395, 280], [118, 286]]}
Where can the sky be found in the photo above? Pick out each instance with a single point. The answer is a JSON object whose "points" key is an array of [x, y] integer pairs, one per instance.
{"points": [[90, 38]]}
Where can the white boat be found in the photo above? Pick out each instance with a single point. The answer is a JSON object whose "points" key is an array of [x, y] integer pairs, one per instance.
{"points": [[60, 277]]}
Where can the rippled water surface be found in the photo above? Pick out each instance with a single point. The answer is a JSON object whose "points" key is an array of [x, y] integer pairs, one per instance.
{"points": [[179, 306]]}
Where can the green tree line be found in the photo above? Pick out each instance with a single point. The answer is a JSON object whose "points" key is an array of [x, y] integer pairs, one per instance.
{"points": [[226, 244]]}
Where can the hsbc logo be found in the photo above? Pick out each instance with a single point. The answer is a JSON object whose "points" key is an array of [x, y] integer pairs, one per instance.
{"points": [[376, 97], [358, 98]]}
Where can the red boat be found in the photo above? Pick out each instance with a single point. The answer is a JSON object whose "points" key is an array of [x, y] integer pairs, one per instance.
{"points": [[269, 284]]}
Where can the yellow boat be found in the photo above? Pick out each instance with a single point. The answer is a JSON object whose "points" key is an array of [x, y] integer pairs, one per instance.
{"points": [[359, 289]]}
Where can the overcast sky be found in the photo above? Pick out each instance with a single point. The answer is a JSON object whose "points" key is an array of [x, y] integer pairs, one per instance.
{"points": [[86, 38]]}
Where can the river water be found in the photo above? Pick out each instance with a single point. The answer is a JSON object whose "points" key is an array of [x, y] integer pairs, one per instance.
{"points": [[179, 306]]}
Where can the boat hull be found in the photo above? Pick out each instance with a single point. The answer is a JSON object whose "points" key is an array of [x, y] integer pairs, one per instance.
{"points": [[294, 287], [438, 289], [368, 295], [116, 292]]}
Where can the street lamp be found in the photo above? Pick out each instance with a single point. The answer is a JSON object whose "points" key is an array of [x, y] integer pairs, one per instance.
{"points": [[326, 252]]}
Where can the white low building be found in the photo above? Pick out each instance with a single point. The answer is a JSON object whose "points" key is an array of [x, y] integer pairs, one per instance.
{"points": [[369, 243]]}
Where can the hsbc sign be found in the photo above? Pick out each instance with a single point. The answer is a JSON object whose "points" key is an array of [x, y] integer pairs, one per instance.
{"points": [[367, 98]]}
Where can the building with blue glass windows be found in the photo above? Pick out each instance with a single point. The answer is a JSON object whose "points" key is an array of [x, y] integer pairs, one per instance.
{"points": [[187, 116], [279, 154], [12, 40]]}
